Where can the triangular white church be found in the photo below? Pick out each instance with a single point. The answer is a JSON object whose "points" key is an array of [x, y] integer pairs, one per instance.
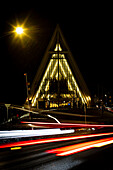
{"points": [[58, 81]]}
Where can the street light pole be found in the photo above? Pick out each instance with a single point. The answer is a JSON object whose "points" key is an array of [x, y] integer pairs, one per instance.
{"points": [[26, 84], [27, 89], [7, 106]]}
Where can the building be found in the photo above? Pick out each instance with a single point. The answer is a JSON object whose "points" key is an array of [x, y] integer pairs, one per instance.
{"points": [[58, 81]]}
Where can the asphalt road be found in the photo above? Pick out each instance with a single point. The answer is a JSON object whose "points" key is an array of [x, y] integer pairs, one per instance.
{"points": [[43, 156]]}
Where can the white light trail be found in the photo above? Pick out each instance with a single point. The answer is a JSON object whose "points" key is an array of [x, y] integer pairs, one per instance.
{"points": [[54, 119], [31, 133]]}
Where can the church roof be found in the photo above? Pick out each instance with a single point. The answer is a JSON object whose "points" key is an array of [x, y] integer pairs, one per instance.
{"points": [[58, 41]]}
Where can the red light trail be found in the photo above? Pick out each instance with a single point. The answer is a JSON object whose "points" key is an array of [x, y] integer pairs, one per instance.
{"points": [[65, 125], [72, 149]]}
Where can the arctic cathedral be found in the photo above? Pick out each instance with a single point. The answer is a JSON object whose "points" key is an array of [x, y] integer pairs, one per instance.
{"points": [[58, 81]]}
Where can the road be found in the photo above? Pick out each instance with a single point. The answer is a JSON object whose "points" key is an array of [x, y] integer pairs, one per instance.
{"points": [[54, 145], [91, 151]]}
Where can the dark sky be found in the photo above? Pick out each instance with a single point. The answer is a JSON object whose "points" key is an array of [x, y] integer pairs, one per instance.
{"points": [[86, 27]]}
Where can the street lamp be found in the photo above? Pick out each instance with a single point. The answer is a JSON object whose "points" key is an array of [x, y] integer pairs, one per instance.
{"points": [[19, 30], [27, 88], [25, 74]]}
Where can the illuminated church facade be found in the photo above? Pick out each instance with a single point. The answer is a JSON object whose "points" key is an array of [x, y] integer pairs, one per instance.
{"points": [[58, 81]]}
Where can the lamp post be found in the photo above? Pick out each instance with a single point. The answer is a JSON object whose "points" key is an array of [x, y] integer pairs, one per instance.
{"points": [[19, 30], [27, 84], [25, 74], [7, 106]]}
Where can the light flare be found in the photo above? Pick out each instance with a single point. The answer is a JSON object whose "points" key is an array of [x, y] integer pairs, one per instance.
{"points": [[19, 30]]}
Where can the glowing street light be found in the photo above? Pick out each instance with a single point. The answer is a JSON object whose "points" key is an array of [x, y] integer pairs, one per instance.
{"points": [[19, 30]]}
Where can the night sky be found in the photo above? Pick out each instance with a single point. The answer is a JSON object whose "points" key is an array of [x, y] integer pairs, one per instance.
{"points": [[87, 29]]}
